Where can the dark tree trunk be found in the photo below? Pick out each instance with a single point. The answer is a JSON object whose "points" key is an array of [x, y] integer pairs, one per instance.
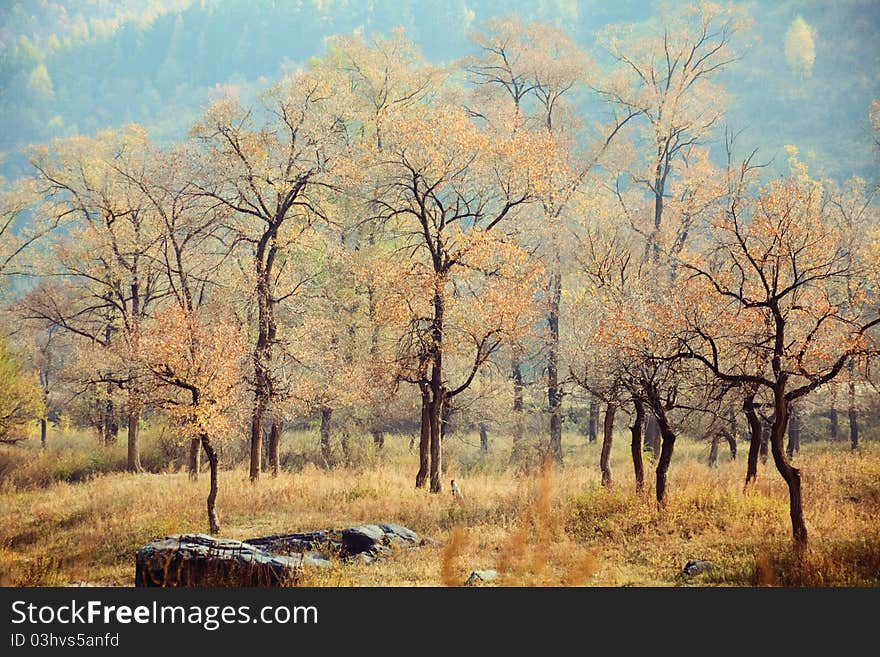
{"points": [[194, 460], [756, 436], [424, 439], [636, 444], [326, 417], [593, 423], [835, 427], [794, 433], [213, 524], [791, 475], [43, 424], [274, 441], [436, 469], [667, 444], [516, 373], [853, 418], [607, 438], [484, 439], [378, 439], [713, 450], [652, 437], [445, 419], [731, 443], [554, 396]]}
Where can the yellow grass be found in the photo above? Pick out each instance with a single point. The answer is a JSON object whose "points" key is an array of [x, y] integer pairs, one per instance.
{"points": [[553, 528]]}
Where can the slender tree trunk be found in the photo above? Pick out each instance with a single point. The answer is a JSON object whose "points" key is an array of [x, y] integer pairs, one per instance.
{"points": [[346, 447], [731, 443], [134, 419], [853, 418], [213, 524], [766, 429], [436, 408], [424, 439], [667, 437], [554, 396], [484, 438], [274, 440], [517, 452], [713, 450], [326, 417], [593, 423], [835, 428], [652, 437], [111, 427], [194, 460], [256, 460], [794, 433], [43, 430], [636, 444], [607, 438], [756, 434], [445, 418], [791, 475]]}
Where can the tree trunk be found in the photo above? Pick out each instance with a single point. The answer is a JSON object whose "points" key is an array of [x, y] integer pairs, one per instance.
{"points": [[764, 451], [636, 444], [667, 444], [593, 423], [554, 396], [378, 439], [791, 475], [794, 433], [607, 438], [853, 418], [111, 427], [194, 460], [832, 415], [256, 460], [713, 450], [43, 430], [516, 373], [652, 437], [134, 419], [445, 418], [424, 440], [326, 417], [436, 410], [213, 524], [346, 447], [484, 439], [274, 441], [756, 434]]}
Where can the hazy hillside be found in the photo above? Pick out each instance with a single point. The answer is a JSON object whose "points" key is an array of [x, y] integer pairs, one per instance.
{"points": [[72, 67]]}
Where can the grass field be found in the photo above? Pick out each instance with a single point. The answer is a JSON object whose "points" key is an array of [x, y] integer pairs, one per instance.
{"points": [[67, 517]]}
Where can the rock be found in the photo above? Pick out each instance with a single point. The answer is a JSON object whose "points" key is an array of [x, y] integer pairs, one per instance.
{"points": [[696, 566], [277, 560], [360, 539], [479, 576], [200, 560]]}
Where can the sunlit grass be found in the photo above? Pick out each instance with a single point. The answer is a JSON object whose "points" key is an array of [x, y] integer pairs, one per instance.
{"points": [[557, 527]]}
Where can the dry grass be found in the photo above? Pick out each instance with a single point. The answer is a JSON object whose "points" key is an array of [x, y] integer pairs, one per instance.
{"points": [[554, 528]]}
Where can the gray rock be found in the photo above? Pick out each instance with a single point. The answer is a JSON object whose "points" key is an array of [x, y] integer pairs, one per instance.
{"points": [[201, 560], [363, 538], [697, 566], [479, 576]]}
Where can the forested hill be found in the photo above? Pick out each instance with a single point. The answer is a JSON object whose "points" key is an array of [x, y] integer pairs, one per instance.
{"points": [[80, 66]]}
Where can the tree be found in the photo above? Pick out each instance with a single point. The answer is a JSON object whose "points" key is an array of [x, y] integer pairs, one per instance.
{"points": [[667, 75], [447, 187], [108, 256], [20, 398], [775, 265], [271, 168]]}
